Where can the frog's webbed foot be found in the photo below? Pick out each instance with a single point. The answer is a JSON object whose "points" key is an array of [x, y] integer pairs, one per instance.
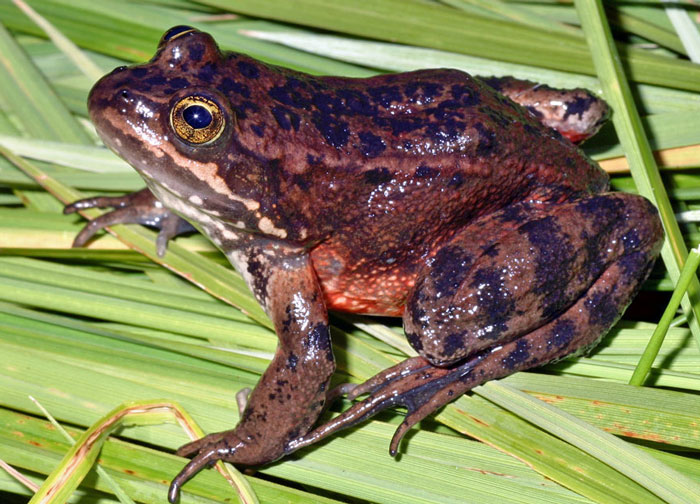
{"points": [[139, 207], [414, 383]]}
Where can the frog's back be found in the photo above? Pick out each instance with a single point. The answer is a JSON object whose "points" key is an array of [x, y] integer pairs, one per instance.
{"points": [[440, 118]]}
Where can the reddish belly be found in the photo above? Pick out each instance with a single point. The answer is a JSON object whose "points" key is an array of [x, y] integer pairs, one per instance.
{"points": [[361, 289]]}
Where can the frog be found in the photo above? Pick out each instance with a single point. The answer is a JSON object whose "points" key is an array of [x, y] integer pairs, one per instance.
{"points": [[430, 195]]}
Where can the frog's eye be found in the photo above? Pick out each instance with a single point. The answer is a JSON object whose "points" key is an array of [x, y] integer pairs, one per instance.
{"points": [[197, 120], [175, 32]]}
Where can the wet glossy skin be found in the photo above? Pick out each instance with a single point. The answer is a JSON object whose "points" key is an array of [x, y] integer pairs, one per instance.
{"points": [[425, 195]]}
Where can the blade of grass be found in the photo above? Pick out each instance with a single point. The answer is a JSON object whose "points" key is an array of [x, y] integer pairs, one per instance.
{"points": [[660, 479], [687, 30], [687, 274], [71, 50], [27, 95], [421, 23], [118, 491]]}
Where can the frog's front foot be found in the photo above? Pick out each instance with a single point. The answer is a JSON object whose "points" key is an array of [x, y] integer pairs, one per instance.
{"points": [[139, 207]]}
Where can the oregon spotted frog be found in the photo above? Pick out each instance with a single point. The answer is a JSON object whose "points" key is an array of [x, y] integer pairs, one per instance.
{"points": [[427, 195]]}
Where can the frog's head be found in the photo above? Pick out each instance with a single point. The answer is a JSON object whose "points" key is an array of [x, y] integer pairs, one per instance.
{"points": [[169, 119]]}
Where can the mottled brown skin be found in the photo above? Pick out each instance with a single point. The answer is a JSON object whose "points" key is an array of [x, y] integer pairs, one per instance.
{"points": [[427, 195]]}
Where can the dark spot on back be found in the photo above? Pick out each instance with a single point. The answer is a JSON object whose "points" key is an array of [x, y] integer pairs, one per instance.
{"points": [[385, 95], [258, 129], [196, 52], [425, 171], [291, 94], [248, 70], [207, 72], [156, 80], [139, 72], [356, 103], [456, 181], [301, 181], [372, 145], [377, 176], [333, 130], [514, 213], [465, 95], [243, 107], [229, 86], [600, 207], [286, 118], [486, 139], [178, 83]]}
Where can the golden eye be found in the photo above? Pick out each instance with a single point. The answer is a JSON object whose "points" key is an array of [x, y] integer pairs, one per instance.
{"points": [[197, 120]]}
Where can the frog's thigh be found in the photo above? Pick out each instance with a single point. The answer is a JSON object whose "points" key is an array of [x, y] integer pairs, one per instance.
{"points": [[511, 272]]}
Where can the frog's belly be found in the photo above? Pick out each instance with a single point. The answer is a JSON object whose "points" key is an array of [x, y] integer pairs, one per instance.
{"points": [[362, 287]]}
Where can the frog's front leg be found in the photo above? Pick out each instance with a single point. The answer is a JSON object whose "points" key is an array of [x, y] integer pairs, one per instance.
{"points": [[291, 393], [514, 290]]}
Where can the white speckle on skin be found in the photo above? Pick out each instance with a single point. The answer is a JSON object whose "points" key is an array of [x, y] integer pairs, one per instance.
{"points": [[266, 226], [229, 235], [195, 200]]}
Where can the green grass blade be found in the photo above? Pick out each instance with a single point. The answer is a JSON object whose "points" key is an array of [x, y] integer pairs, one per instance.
{"points": [[420, 23], [29, 98], [663, 481], [687, 30], [689, 271]]}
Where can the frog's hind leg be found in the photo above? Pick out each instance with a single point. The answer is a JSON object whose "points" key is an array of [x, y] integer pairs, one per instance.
{"points": [[584, 261]]}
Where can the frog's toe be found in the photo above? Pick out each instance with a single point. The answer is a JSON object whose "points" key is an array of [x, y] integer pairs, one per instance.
{"points": [[139, 207], [208, 454], [119, 216], [170, 226]]}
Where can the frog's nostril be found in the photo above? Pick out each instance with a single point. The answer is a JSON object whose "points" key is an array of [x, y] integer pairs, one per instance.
{"points": [[125, 94]]}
